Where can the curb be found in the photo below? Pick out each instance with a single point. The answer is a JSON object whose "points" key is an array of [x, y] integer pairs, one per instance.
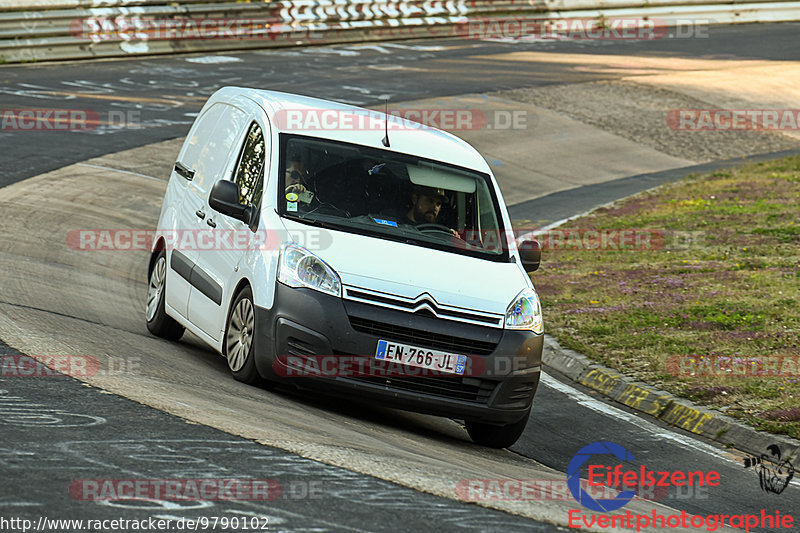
{"points": [[676, 412]]}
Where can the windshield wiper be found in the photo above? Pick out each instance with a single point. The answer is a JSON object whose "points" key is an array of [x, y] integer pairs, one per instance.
{"points": [[315, 222]]}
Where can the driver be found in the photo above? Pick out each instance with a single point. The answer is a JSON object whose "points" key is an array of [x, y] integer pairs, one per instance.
{"points": [[426, 202]]}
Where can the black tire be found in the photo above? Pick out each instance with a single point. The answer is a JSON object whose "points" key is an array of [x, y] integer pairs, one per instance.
{"points": [[496, 436], [238, 343], [159, 323]]}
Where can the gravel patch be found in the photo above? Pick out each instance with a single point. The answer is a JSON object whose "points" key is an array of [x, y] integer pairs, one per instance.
{"points": [[638, 112]]}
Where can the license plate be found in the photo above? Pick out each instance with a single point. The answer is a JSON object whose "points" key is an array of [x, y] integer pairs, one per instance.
{"points": [[421, 357]]}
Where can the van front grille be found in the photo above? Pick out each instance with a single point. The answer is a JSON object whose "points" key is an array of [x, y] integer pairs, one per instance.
{"points": [[427, 339], [426, 305]]}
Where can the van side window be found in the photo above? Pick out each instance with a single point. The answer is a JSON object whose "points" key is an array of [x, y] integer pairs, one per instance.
{"points": [[249, 174]]}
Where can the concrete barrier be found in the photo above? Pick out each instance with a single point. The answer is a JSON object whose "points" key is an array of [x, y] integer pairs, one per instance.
{"points": [[38, 30]]}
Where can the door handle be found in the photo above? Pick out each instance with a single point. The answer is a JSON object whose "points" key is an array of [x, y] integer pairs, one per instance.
{"points": [[184, 171], [211, 223], [200, 214]]}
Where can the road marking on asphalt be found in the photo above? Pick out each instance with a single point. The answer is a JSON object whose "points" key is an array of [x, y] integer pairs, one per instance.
{"points": [[20, 504], [612, 412], [18, 411], [177, 100], [209, 60]]}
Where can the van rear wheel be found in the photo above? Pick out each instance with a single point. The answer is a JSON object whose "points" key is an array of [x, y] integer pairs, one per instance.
{"points": [[496, 436], [159, 323], [239, 337]]}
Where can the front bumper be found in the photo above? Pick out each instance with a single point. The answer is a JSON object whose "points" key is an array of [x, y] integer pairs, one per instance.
{"points": [[497, 388]]}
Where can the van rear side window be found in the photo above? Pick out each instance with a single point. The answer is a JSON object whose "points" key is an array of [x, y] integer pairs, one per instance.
{"points": [[249, 174], [212, 140]]}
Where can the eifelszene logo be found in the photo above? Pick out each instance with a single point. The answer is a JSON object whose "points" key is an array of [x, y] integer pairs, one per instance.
{"points": [[574, 476], [619, 476], [628, 477]]}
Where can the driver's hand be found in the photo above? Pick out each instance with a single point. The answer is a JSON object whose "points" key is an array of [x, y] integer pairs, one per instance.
{"points": [[455, 234], [296, 188]]}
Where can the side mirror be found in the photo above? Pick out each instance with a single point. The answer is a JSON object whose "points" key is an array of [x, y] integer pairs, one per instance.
{"points": [[224, 198], [531, 254]]}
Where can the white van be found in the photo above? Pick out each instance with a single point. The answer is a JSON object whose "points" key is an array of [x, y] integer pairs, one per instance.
{"points": [[339, 250]]}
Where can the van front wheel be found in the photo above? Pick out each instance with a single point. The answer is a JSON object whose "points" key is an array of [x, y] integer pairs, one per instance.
{"points": [[239, 337], [496, 436]]}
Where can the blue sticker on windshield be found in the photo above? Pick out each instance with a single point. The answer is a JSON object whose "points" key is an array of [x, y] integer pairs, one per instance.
{"points": [[385, 222]]}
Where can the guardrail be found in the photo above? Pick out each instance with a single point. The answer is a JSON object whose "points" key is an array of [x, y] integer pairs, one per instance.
{"points": [[37, 30]]}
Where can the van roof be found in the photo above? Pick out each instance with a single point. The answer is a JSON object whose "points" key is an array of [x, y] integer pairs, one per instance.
{"points": [[291, 113]]}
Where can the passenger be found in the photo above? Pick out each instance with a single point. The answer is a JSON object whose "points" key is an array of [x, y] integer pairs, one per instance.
{"points": [[295, 175]]}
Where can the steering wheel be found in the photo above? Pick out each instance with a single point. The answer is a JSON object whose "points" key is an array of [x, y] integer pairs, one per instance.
{"points": [[432, 226]]}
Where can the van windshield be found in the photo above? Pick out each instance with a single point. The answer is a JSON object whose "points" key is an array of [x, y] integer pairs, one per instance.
{"points": [[389, 195]]}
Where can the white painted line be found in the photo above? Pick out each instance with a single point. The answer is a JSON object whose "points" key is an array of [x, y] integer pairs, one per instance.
{"points": [[333, 51], [122, 171], [376, 47], [19, 504], [419, 47], [558, 223], [612, 412], [207, 60], [362, 90]]}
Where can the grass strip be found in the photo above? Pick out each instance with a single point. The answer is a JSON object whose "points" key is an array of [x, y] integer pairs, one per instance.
{"points": [[692, 287]]}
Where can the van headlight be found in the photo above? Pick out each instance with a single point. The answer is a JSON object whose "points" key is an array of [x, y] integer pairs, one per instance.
{"points": [[297, 267], [525, 312]]}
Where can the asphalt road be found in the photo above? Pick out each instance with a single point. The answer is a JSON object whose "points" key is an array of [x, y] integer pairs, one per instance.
{"points": [[60, 435], [156, 99]]}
